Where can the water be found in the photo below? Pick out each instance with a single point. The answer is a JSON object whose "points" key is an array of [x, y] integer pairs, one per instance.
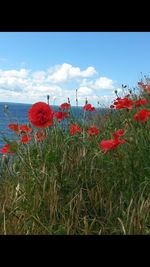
{"points": [[18, 113]]}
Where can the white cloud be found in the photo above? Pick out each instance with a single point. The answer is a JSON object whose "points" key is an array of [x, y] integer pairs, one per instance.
{"points": [[66, 71], [84, 91], [100, 83], [26, 86], [103, 83], [12, 83], [22, 73], [90, 71], [39, 76]]}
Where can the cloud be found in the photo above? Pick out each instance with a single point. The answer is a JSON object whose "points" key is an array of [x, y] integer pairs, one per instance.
{"points": [[39, 76], [22, 73], [60, 82], [99, 83], [13, 80], [12, 84], [103, 83], [66, 72], [84, 91]]}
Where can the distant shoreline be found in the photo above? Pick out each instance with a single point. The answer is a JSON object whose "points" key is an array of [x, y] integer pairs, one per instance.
{"points": [[13, 103]]}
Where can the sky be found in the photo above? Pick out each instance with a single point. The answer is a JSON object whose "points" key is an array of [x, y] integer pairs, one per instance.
{"points": [[36, 64]]}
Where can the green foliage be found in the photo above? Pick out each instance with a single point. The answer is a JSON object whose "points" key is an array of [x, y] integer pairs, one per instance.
{"points": [[67, 185]]}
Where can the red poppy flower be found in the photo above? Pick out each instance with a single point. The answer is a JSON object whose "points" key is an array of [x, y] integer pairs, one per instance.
{"points": [[115, 102], [93, 130], [14, 127], [88, 107], [24, 129], [142, 115], [61, 115], [123, 103], [106, 145], [20, 128], [7, 148], [140, 102], [41, 115], [74, 128], [65, 106], [40, 135], [118, 133], [25, 139]]}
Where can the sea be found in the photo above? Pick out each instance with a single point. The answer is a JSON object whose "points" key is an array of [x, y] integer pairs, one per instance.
{"points": [[18, 113]]}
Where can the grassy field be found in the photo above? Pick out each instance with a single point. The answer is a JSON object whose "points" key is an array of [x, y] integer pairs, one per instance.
{"points": [[67, 184]]}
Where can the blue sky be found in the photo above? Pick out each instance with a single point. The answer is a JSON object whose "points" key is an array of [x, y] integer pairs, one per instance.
{"points": [[34, 64]]}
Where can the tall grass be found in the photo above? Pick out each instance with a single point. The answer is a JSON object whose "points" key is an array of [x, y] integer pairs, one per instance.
{"points": [[67, 185]]}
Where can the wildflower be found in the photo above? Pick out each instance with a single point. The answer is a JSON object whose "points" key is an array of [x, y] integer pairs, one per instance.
{"points": [[142, 115], [24, 129], [40, 135], [119, 133], [140, 102], [61, 115], [74, 128], [20, 128], [25, 139], [106, 145], [123, 103], [65, 106], [88, 107], [93, 130], [14, 127], [41, 115], [7, 148]]}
